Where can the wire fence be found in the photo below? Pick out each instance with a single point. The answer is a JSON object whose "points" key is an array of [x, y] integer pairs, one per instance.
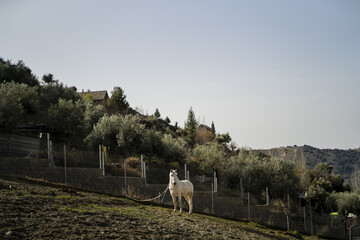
{"points": [[142, 177]]}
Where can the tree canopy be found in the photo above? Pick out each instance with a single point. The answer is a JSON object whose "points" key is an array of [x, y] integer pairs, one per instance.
{"points": [[18, 73], [118, 102], [17, 103]]}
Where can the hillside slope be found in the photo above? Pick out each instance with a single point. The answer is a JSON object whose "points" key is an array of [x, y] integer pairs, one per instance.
{"points": [[38, 210], [343, 161]]}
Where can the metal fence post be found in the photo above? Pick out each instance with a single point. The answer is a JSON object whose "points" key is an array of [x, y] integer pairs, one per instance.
{"points": [[103, 162], [215, 182], [185, 172], [249, 206], [311, 220], [100, 157], [241, 189], [51, 153], [65, 164], [289, 212], [125, 175], [142, 166], [48, 145], [212, 198], [305, 217], [145, 172]]}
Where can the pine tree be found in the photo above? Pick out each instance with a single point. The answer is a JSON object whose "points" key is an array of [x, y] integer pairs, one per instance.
{"points": [[191, 123], [190, 127], [212, 127]]}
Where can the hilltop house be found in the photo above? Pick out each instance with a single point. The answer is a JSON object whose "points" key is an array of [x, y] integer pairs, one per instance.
{"points": [[99, 97]]}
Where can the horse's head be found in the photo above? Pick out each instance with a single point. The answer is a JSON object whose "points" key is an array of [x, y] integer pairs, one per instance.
{"points": [[173, 177]]}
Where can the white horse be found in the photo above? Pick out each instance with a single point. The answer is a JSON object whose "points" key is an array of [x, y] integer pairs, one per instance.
{"points": [[180, 188]]}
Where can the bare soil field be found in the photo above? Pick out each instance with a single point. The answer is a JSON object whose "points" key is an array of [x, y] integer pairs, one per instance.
{"points": [[31, 209]]}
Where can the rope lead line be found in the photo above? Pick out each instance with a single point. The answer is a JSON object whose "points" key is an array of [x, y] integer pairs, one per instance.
{"points": [[148, 200]]}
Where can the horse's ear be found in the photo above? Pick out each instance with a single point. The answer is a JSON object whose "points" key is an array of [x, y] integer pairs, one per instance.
{"points": [[175, 170]]}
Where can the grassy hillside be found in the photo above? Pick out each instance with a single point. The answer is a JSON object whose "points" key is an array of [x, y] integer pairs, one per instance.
{"points": [[343, 161], [36, 210]]}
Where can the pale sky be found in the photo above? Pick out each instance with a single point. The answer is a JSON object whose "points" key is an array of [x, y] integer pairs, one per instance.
{"points": [[272, 73]]}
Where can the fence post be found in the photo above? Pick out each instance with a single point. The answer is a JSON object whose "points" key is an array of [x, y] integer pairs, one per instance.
{"points": [[215, 182], [100, 157], [188, 175], [241, 189], [125, 175], [267, 196], [103, 162], [212, 198], [48, 145], [249, 206], [145, 172], [289, 212], [311, 220], [65, 164], [142, 166], [185, 172], [51, 154], [305, 217]]}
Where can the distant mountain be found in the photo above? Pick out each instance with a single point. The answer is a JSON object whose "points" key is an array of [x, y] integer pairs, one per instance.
{"points": [[344, 162]]}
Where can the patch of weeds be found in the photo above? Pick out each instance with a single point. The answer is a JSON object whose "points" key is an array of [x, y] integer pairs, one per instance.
{"points": [[97, 207], [258, 225]]}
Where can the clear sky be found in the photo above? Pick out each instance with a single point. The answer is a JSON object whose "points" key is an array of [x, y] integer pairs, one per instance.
{"points": [[270, 72]]}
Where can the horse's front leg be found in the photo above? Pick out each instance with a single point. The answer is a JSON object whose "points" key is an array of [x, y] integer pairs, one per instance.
{"points": [[174, 201], [180, 203]]}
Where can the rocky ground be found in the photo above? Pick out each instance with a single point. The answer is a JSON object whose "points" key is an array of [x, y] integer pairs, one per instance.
{"points": [[32, 209]]}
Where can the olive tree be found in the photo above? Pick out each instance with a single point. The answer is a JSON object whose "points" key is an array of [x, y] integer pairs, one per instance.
{"points": [[17, 103], [66, 118], [259, 171], [123, 133], [174, 149], [211, 156], [93, 112]]}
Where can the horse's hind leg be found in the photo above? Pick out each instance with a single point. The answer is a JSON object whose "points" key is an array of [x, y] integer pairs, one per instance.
{"points": [[174, 201], [190, 201]]}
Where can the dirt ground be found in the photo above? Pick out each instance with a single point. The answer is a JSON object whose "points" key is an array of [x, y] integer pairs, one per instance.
{"points": [[37, 210]]}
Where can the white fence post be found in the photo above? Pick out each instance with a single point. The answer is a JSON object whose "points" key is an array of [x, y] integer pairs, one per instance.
{"points": [[65, 164], [145, 172], [215, 182], [248, 205], [103, 162], [125, 175], [311, 220], [212, 198], [185, 171], [142, 166], [100, 156], [241, 188], [48, 145], [305, 217], [51, 154]]}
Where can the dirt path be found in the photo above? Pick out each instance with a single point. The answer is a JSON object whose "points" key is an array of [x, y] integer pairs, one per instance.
{"points": [[31, 210]]}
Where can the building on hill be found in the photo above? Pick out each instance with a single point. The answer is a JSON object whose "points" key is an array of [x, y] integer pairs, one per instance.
{"points": [[203, 128], [99, 97]]}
